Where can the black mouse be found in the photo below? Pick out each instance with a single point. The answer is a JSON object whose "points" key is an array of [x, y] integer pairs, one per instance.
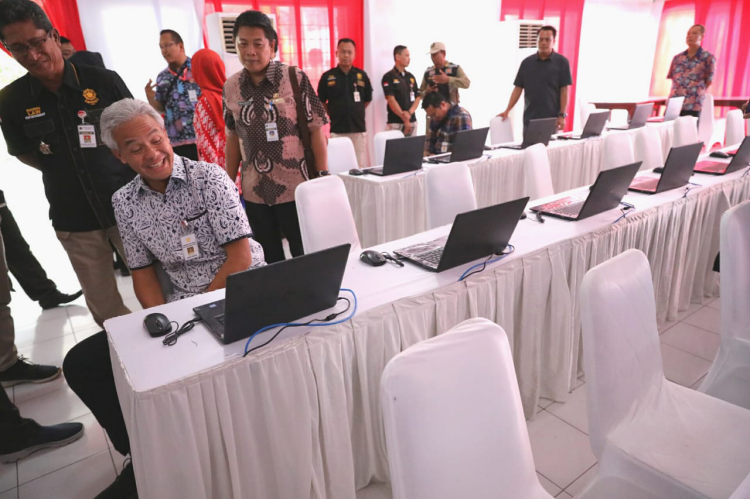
{"points": [[356, 171], [719, 154], [157, 325], [373, 258]]}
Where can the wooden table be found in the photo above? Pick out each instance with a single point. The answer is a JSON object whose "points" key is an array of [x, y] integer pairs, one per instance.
{"points": [[661, 101]]}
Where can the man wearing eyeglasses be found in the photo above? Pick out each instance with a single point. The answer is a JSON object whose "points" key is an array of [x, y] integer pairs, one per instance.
{"points": [[175, 94], [50, 120]]}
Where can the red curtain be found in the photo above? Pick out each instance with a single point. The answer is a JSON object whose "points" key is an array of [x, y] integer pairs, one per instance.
{"points": [[308, 29], [566, 16], [64, 17]]}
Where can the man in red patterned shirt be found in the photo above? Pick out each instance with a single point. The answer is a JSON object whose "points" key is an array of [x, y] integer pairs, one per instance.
{"points": [[692, 72]]}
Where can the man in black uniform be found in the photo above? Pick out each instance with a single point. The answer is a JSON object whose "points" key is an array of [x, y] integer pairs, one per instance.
{"points": [[401, 94], [50, 120], [345, 92]]}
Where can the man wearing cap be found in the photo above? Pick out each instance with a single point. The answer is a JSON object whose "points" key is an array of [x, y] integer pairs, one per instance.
{"points": [[401, 94], [444, 77]]}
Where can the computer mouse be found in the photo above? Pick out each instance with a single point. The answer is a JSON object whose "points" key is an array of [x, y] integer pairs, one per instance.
{"points": [[373, 258], [157, 325], [719, 154], [356, 171], [658, 169]]}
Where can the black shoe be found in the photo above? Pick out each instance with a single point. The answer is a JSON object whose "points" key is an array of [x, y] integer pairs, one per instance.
{"points": [[123, 487], [48, 437], [59, 298], [24, 371]]}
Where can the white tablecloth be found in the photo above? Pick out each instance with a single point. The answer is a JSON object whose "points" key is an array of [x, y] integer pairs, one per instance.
{"points": [[301, 417], [390, 208]]}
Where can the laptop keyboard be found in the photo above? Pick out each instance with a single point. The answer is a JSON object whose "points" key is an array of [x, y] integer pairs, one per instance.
{"points": [[711, 166], [571, 210], [433, 256], [645, 183]]}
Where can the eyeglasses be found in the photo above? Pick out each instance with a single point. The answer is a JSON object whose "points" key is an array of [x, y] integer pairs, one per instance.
{"points": [[36, 46], [166, 45]]}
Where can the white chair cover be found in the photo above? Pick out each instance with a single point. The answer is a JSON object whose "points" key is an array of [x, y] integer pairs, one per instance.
{"points": [[379, 143], [735, 131], [325, 216], [537, 172], [449, 191], [706, 122], [454, 424], [729, 376], [648, 148], [501, 131], [341, 155], [617, 151], [685, 131], [660, 435]]}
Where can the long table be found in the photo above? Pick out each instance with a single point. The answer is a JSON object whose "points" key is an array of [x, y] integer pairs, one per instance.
{"points": [[390, 208], [721, 101], [301, 417]]}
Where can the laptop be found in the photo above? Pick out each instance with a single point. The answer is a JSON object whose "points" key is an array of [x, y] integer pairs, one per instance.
{"points": [[740, 160], [468, 144], [280, 292], [672, 112], [401, 156], [474, 235], [640, 116], [594, 127], [538, 132], [677, 171], [606, 193]]}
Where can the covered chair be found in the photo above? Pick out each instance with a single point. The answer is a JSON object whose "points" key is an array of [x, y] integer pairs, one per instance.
{"points": [[685, 131], [669, 440], [454, 423], [341, 155], [729, 376], [537, 172], [449, 190], [648, 148], [706, 122], [379, 143], [617, 151], [735, 129], [325, 215]]}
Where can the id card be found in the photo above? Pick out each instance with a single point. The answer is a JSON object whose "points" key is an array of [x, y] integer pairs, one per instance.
{"points": [[193, 94], [272, 132], [357, 97], [411, 96], [444, 147], [189, 246], [87, 136]]}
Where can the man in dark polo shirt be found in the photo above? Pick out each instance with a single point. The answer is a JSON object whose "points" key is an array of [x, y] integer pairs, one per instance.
{"points": [[50, 120], [544, 79], [345, 92], [401, 94]]}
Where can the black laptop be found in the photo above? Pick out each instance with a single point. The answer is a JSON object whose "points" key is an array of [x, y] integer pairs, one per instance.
{"points": [[676, 173], [740, 160], [401, 156], [594, 127], [468, 144], [474, 235], [606, 193], [281, 292], [538, 132], [639, 119]]}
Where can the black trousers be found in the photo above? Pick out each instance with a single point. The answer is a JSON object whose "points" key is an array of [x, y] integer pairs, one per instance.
{"points": [[21, 261], [15, 431], [88, 370], [697, 114], [268, 222], [189, 151]]}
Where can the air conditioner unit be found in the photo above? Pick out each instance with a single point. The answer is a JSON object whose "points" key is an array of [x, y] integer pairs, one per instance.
{"points": [[219, 28]]}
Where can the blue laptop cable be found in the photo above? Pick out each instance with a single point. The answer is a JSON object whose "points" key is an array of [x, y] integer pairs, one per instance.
{"points": [[485, 263]]}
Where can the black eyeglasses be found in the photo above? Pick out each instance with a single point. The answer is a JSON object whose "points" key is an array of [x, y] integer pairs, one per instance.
{"points": [[36, 46]]}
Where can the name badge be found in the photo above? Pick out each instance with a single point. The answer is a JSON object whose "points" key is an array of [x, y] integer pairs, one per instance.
{"points": [[411, 96], [189, 245], [272, 132], [193, 95], [87, 136], [444, 147], [356, 97]]}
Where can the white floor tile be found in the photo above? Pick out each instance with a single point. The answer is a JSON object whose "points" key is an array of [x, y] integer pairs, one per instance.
{"points": [[706, 318], [86, 333], [544, 403], [681, 367], [10, 494], [31, 313], [81, 321], [716, 304], [28, 391], [574, 410], [577, 487], [117, 458], [43, 331], [564, 495], [56, 407], [47, 461], [50, 351], [8, 477], [693, 308], [550, 487], [561, 453], [693, 340], [82, 479]]}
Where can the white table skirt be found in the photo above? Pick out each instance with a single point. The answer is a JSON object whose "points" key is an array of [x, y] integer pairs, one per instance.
{"points": [[301, 418], [390, 208]]}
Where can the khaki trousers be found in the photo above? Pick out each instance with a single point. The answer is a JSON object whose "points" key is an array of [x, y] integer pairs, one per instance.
{"points": [[400, 126], [360, 145], [91, 257], [8, 352]]}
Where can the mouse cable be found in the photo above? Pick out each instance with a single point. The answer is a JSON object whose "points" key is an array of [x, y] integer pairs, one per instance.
{"points": [[484, 264], [171, 338], [285, 325]]}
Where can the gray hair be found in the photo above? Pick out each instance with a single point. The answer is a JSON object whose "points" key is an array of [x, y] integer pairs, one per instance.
{"points": [[121, 112]]}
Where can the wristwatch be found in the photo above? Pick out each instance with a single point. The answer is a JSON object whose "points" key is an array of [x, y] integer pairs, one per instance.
{"points": [[562, 115], [323, 173]]}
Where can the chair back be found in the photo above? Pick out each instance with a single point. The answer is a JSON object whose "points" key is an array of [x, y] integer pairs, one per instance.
{"points": [[454, 423], [685, 131], [341, 155], [501, 131], [706, 122], [449, 190], [325, 215], [379, 143], [622, 355], [735, 272], [735, 132], [617, 151], [648, 148], [536, 170]]}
